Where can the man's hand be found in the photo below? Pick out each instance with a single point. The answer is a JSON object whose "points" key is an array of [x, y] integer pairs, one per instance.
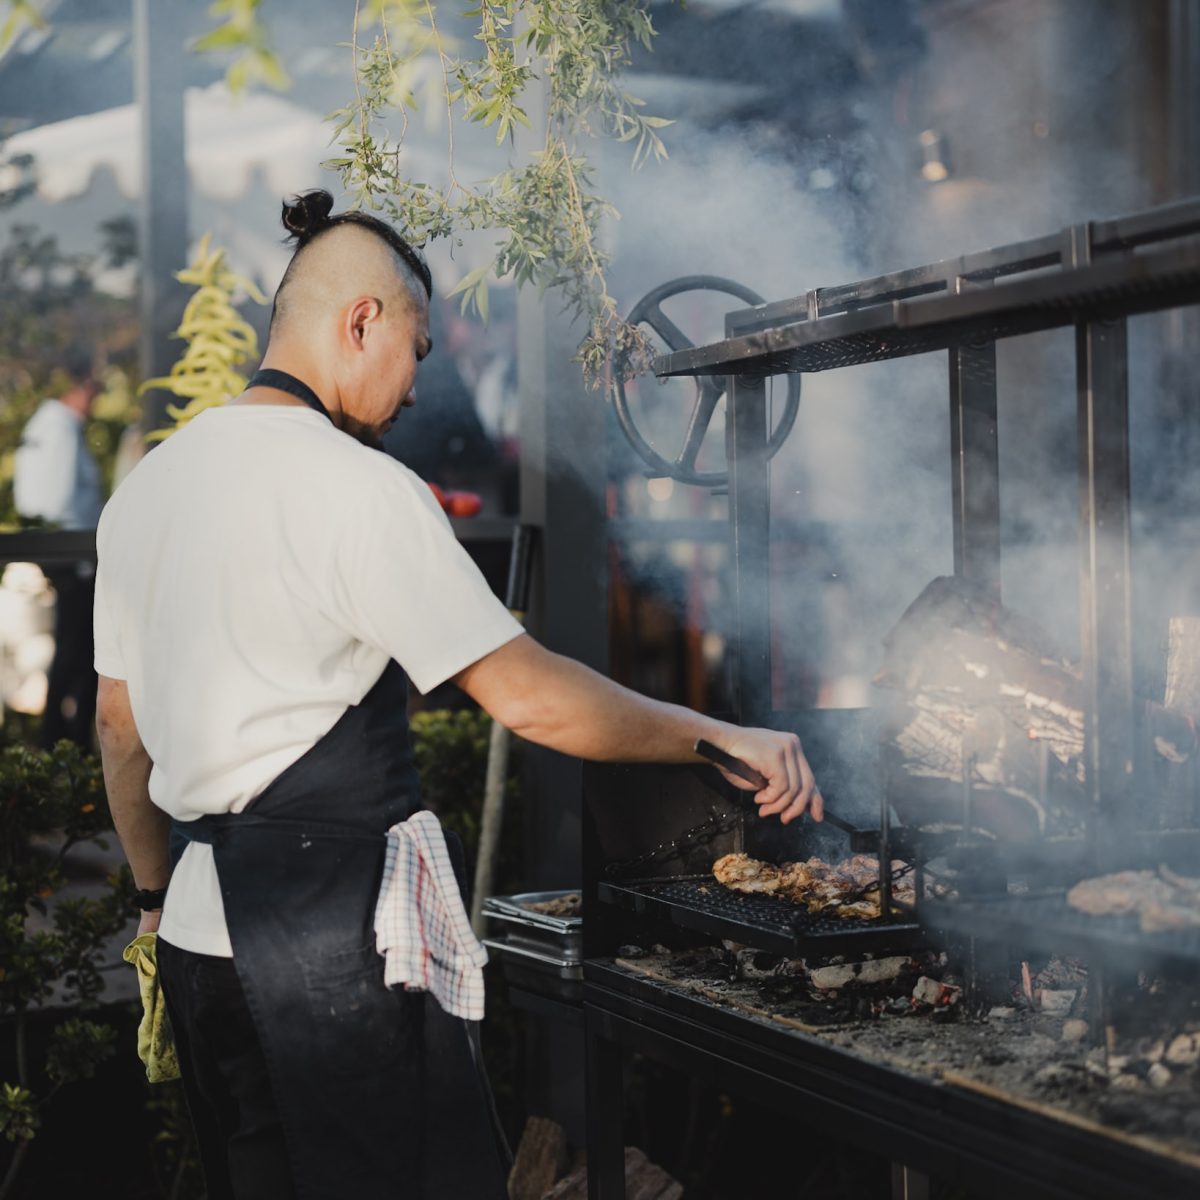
{"points": [[791, 790], [149, 922]]}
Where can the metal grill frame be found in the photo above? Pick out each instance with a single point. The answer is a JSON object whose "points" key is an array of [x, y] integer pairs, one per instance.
{"points": [[1089, 276]]}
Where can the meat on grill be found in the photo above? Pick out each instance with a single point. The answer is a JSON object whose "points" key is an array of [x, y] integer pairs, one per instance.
{"points": [[745, 874], [1161, 900], [847, 889]]}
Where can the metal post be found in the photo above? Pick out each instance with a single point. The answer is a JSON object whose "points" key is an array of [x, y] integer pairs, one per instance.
{"points": [[908, 1184], [1183, 98], [749, 516], [975, 464], [1105, 603], [563, 476], [605, 1118], [163, 225]]}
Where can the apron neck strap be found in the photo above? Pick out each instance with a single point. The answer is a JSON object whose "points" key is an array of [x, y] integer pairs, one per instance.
{"points": [[283, 382]]}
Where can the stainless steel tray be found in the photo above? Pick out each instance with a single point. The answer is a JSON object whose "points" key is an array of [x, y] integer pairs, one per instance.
{"points": [[553, 939], [546, 963], [516, 907]]}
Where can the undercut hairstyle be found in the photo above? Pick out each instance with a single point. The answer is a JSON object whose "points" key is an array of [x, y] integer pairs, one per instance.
{"points": [[307, 216]]}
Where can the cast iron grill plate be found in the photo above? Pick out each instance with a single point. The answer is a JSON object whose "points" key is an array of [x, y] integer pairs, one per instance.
{"points": [[1049, 923], [766, 922]]}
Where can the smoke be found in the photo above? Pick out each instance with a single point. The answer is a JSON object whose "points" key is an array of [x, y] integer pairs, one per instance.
{"points": [[1045, 113]]}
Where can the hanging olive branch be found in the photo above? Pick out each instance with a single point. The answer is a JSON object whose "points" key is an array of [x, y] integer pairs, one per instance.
{"points": [[243, 30], [546, 211]]}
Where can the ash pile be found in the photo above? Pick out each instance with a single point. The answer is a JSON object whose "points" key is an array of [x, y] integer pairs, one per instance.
{"points": [[1048, 1044]]}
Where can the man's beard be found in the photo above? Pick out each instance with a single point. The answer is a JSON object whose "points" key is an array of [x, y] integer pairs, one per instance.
{"points": [[369, 435]]}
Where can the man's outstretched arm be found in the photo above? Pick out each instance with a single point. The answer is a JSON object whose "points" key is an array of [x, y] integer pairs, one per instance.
{"points": [[141, 826], [559, 703]]}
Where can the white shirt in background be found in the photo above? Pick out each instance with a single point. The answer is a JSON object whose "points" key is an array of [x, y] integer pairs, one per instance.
{"points": [[55, 476], [256, 573]]}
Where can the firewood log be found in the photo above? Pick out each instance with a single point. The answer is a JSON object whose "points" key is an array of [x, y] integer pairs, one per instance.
{"points": [[987, 697], [540, 1160]]}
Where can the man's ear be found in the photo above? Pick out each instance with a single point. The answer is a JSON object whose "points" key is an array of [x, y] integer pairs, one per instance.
{"points": [[361, 317]]}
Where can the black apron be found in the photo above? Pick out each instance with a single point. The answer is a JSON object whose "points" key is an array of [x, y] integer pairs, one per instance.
{"points": [[379, 1090]]}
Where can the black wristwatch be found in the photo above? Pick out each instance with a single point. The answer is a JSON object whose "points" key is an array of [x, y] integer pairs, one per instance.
{"points": [[150, 900]]}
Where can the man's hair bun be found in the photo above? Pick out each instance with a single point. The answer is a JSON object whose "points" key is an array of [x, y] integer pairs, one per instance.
{"points": [[307, 214]]}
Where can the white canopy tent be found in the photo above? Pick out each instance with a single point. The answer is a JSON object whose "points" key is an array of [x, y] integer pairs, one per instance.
{"points": [[231, 143], [227, 139]]}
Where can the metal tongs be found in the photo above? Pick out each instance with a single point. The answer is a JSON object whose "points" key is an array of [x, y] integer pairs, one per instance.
{"points": [[861, 840], [743, 770]]}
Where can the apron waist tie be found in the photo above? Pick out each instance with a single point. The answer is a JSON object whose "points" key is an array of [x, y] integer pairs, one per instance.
{"points": [[205, 829]]}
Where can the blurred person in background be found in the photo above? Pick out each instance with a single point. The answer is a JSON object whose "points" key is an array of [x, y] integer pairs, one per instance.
{"points": [[56, 481]]}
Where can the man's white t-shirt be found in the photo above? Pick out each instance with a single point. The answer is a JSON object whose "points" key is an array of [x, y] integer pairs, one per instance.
{"points": [[256, 573]]}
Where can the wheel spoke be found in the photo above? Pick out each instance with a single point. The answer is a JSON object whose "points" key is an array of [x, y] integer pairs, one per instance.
{"points": [[667, 329], [698, 423], [709, 389]]}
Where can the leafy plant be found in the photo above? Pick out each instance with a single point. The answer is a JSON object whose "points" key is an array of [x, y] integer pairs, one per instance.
{"points": [[243, 31], [50, 802], [547, 213], [450, 752], [18, 16], [219, 339]]}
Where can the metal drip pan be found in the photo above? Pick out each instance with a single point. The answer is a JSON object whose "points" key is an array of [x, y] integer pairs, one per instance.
{"points": [[539, 952]]}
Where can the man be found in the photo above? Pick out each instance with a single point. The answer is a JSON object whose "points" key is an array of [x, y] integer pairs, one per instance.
{"points": [[263, 579], [56, 481]]}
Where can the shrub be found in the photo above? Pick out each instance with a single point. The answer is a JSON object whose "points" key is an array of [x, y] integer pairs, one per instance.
{"points": [[50, 802]]}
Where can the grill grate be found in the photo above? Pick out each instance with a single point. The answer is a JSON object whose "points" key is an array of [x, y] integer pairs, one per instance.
{"points": [[766, 922], [1049, 923]]}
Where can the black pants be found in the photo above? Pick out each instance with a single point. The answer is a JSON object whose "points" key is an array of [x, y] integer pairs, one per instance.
{"points": [[71, 684], [224, 1077]]}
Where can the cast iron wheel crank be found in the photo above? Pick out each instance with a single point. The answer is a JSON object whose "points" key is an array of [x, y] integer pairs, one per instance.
{"points": [[709, 388]]}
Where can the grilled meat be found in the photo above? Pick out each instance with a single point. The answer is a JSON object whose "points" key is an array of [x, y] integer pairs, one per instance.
{"points": [[1162, 900], [570, 905], [745, 874], [848, 889]]}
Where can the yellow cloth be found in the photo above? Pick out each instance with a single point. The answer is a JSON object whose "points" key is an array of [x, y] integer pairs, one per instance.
{"points": [[156, 1046]]}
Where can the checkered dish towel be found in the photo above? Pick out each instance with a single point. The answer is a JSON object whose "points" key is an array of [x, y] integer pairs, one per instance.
{"points": [[421, 926]]}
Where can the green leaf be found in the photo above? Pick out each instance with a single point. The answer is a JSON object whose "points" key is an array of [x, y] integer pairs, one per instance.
{"points": [[272, 71], [237, 75], [470, 280], [18, 1114], [225, 37]]}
